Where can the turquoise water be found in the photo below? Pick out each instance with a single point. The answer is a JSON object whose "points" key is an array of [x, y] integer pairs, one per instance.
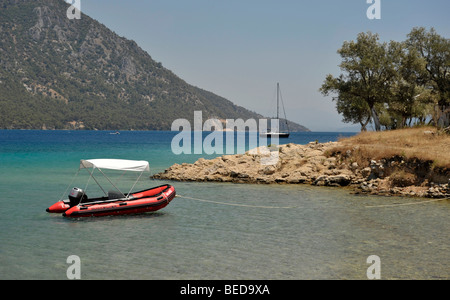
{"points": [[326, 234]]}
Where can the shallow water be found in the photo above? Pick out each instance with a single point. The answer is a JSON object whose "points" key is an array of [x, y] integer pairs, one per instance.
{"points": [[327, 233]]}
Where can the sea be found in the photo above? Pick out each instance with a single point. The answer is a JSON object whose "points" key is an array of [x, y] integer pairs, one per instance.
{"points": [[218, 231]]}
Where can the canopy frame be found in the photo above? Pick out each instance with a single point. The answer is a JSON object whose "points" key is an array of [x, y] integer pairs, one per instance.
{"points": [[114, 164]]}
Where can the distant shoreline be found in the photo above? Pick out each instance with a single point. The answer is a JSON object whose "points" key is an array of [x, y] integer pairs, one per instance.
{"points": [[161, 130]]}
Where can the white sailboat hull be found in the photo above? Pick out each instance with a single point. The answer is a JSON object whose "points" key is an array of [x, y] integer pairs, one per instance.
{"points": [[274, 134]]}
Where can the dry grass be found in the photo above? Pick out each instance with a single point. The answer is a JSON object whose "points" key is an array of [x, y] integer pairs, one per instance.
{"points": [[423, 143]]}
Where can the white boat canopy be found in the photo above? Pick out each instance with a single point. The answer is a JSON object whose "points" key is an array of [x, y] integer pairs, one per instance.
{"points": [[116, 164]]}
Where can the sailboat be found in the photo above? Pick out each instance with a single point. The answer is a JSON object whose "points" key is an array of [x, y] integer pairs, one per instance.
{"points": [[271, 133]]}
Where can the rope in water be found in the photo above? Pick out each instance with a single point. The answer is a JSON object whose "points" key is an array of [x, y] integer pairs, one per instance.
{"points": [[407, 204], [290, 207], [235, 204]]}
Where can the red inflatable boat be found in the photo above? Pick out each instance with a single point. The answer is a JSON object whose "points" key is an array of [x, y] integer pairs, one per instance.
{"points": [[115, 203], [144, 201]]}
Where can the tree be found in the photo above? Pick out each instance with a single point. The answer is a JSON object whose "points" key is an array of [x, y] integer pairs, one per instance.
{"points": [[353, 109], [435, 50], [409, 96], [393, 84], [368, 71]]}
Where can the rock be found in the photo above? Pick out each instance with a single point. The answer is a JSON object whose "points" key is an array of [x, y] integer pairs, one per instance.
{"points": [[264, 180], [331, 160], [311, 164], [212, 178], [336, 180], [366, 172], [269, 170], [365, 188], [321, 180], [342, 180], [200, 162], [243, 175], [294, 180], [377, 169], [305, 171], [280, 180]]}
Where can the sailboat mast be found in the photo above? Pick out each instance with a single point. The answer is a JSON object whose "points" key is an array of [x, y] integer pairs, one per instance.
{"points": [[278, 100], [277, 132]]}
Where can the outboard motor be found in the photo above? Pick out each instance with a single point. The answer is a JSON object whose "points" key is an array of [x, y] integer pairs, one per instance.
{"points": [[76, 196]]}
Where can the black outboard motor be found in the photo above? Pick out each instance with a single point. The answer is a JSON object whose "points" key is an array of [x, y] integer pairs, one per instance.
{"points": [[76, 196]]}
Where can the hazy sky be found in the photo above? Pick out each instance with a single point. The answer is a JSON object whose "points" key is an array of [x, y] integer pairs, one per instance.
{"points": [[240, 49]]}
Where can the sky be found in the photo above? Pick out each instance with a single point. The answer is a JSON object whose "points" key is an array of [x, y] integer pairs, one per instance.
{"points": [[240, 49]]}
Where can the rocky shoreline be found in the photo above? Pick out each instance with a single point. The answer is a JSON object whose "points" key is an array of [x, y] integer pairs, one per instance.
{"points": [[321, 165]]}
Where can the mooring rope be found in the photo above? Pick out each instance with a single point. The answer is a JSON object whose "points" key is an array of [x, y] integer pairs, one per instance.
{"points": [[407, 204], [236, 204], [290, 207]]}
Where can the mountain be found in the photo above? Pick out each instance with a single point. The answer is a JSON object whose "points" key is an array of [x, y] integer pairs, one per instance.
{"points": [[61, 73]]}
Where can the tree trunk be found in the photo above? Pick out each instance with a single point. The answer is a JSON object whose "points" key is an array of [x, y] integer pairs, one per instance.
{"points": [[363, 127], [376, 120], [364, 124], [445, 117]]}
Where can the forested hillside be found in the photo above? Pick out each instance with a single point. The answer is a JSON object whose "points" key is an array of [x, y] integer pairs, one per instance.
{"points": [[57, 73]]}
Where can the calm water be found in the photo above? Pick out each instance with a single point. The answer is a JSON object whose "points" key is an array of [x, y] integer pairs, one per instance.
{"points": [[328, 234]]}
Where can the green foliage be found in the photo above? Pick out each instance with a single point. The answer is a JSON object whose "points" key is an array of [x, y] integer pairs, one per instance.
{"points": [[394, 84]]}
